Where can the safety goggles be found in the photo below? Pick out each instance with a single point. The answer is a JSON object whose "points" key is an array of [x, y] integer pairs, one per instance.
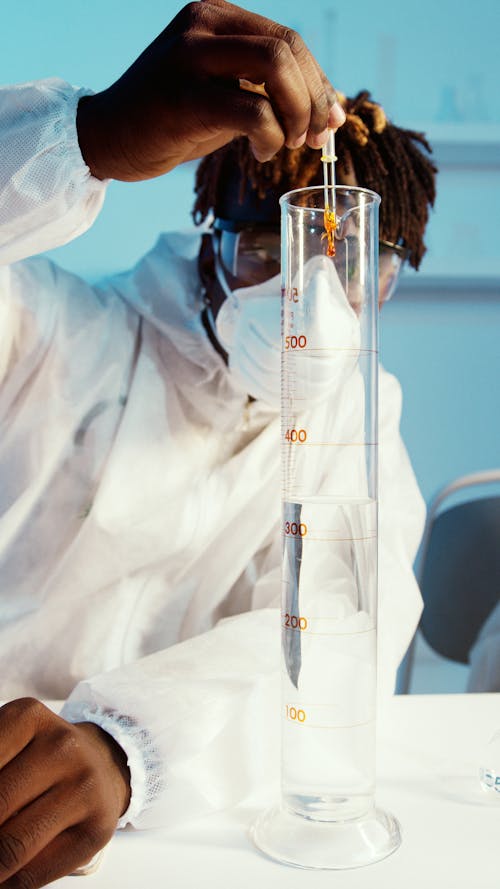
{"points": [[391, 260], [250, 253]]}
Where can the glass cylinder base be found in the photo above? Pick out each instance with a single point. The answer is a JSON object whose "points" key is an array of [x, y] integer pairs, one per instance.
{"points": [[330, 845]]}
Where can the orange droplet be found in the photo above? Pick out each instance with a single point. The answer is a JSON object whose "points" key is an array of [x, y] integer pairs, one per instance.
{"points": [[330, 222]]}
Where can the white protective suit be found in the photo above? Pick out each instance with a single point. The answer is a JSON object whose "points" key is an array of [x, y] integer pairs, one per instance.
{"points": [[140, 497]]}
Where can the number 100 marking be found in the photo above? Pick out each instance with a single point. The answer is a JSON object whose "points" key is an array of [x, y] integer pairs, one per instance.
{"points": [[294, 714]]}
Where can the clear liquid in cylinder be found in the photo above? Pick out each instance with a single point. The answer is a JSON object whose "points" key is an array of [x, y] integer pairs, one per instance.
{"points": [[329, 656]]}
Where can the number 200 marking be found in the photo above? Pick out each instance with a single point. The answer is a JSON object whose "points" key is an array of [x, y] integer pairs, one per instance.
{"points": [[295, 623]]}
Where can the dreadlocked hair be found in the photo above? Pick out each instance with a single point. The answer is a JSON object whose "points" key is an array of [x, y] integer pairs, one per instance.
{"points": [[383, 157]]}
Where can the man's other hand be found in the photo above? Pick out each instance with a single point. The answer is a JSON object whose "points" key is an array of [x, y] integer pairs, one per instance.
{"points": [[63, 788]]}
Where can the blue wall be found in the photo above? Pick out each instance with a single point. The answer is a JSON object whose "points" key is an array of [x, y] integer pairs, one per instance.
{"points": [[446, 352]]}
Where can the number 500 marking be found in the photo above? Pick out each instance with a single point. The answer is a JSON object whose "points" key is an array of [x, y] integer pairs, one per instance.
{"points": [[296, 342]]}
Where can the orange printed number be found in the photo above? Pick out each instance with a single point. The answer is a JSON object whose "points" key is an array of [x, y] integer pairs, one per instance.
{"points": [[295, 623], [296, 342], [296, 435], [296, 529], [290, 293]]}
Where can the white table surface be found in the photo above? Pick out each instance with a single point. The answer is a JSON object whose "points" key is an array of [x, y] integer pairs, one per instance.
{"points": [[429, 751]]}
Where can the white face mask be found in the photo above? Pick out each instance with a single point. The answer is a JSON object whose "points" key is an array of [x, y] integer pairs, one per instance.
{"points": [[248, 327]]}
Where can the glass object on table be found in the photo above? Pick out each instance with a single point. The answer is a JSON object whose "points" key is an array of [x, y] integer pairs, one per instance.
{"points": [[489, 771]]}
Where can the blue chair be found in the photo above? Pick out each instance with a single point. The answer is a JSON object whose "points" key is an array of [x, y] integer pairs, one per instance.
{"points": [[458, 571]]}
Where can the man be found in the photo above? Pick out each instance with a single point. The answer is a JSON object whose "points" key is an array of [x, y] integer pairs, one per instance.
{"points": [[134, 469]]}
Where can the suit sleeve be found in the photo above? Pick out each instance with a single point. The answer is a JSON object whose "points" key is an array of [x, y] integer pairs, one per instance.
{"points": [[47, 193]]}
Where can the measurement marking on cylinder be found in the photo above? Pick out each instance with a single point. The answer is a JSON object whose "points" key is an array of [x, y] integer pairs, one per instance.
{"points": [[322, 617], [295, 715], [296, 436], [315, 539], [335, 728], [294, 622], [340, 444], [331, 531], [331, 634], [305, 349], [295, 529], [292, 294], [296, 342]]}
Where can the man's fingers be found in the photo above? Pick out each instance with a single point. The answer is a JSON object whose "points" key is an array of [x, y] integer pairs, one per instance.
{"points": [[221, 17], [262, 60], [19, 721], [325, 110], [238, 112], [67, 852], [20, 785], [316, 84], [26, 834], [336, 114], [22, 780], [64, 789]]}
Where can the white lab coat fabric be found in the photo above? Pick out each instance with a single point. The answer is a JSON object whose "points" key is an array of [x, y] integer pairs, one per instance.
{"points": [[47, 195], [139, 506]]}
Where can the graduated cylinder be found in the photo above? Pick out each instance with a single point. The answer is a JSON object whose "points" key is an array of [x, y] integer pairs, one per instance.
{"points": [[329, 528], [329, 451]]}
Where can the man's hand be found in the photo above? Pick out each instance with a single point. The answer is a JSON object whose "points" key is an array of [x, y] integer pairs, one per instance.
{"points": [[190, 92], [63, 788]]}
